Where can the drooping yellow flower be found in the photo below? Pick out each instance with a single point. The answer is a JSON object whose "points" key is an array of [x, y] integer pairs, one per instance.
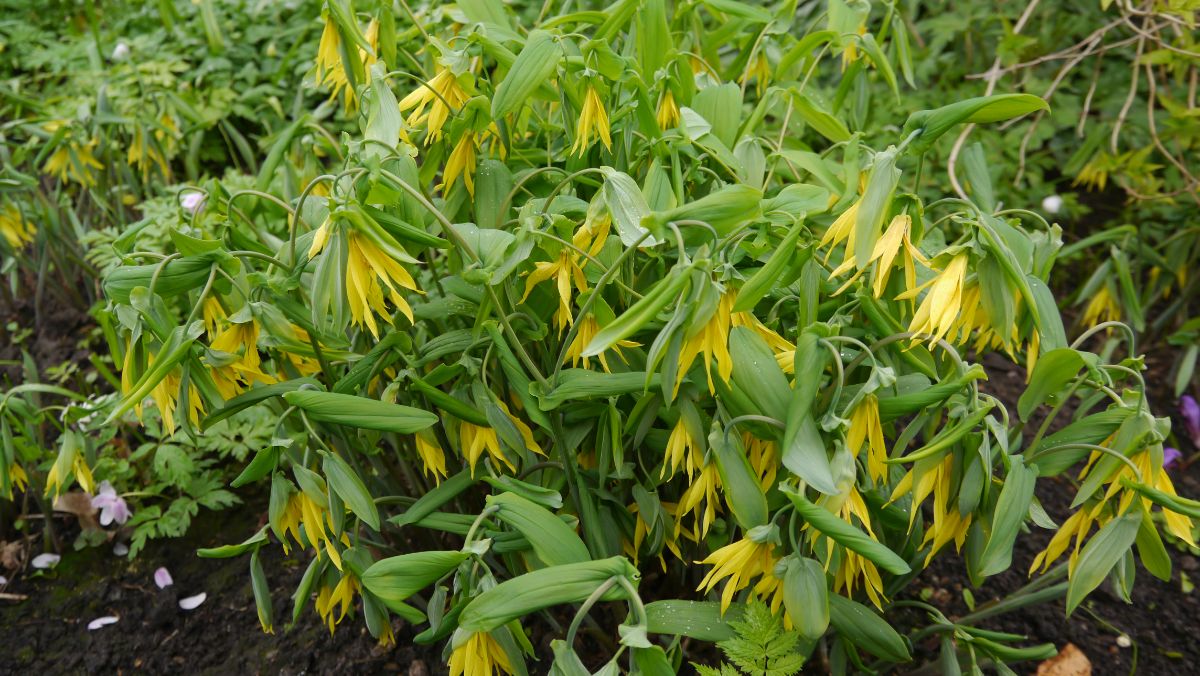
{"points": [[18, 480], [479, 655], [940, 310], [235, 377], [144, 154], [712, 340], [668, 112], [642, 529], [433, 458], [740, 562], [213, 314], [853, 569], [303, 510], [329, 70], [682, 451], [841, 231], [935, 476], [56, 479], [166, 395], [565, 271], [592, 235], [441, 95], [475, 439], [895, 240], [461, 163], [593, 120], [341, 597], [776, 342], [1101, 308], [369, 269], [764, 458], [584, 333], [15, 229], [703, 498], [865, 426], [759, 70], [75, 162]]}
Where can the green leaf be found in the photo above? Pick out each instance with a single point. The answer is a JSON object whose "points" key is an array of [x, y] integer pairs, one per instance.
{"points": [[350, 488], [536, 63], [1011, 508], [806, 596], [701, 620], [361, 412], [553, 541], [1054, 370], [396, 578], [845, 534], [930, 125], [860, 626], [1100, 555], [230, 551]]}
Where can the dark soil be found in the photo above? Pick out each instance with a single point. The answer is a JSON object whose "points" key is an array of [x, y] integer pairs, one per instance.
{"points": [[1162, 619], [47, 632]]}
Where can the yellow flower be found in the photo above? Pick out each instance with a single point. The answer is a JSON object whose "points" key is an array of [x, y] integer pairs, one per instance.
{"points": [[740, 562], [479, 655], [842, 231], [461, 163], [329, 70], [55, 482], [145, 154], [368, 270], [587, 329], [15, 229], [865, 426], [341, 596], [475, 439], [759, 70], [895, 240], [702, 497], [935, 476], [213, 314], [441, 95], [593, 119], [433, 458], [853, 569], [233, 378], [713, 341], [668, 111], [940, 309], [777, 343], [18, 480], [682, 450], [565, 271], [641, 529], [592, 235], [764, 458], [1101, 308], [302, 510], [75, 162], [166, 396]]}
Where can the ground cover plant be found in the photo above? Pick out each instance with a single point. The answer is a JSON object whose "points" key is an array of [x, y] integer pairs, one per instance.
{"points": [[639, 338]]}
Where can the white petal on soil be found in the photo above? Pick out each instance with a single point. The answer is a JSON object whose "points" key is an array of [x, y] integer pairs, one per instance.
{"points": [[43, 561], [101, 621], [162, 578], [120, 549], [3, 580], [192, 602]]}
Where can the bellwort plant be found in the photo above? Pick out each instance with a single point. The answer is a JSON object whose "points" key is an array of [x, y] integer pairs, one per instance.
{"points": [[626, 320]]}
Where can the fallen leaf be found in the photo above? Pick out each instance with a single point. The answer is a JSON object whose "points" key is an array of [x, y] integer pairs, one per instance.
{"points": [[1070, 661], [10, 554], [79, 504]]}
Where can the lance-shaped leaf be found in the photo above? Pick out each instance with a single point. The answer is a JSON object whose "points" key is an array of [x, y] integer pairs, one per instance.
{"points": [[864, 628], [845, 534], [396, 578], [930, 125], [553, 541], [534, 65], [1100, 555], [352, 411], [350, 488]]}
